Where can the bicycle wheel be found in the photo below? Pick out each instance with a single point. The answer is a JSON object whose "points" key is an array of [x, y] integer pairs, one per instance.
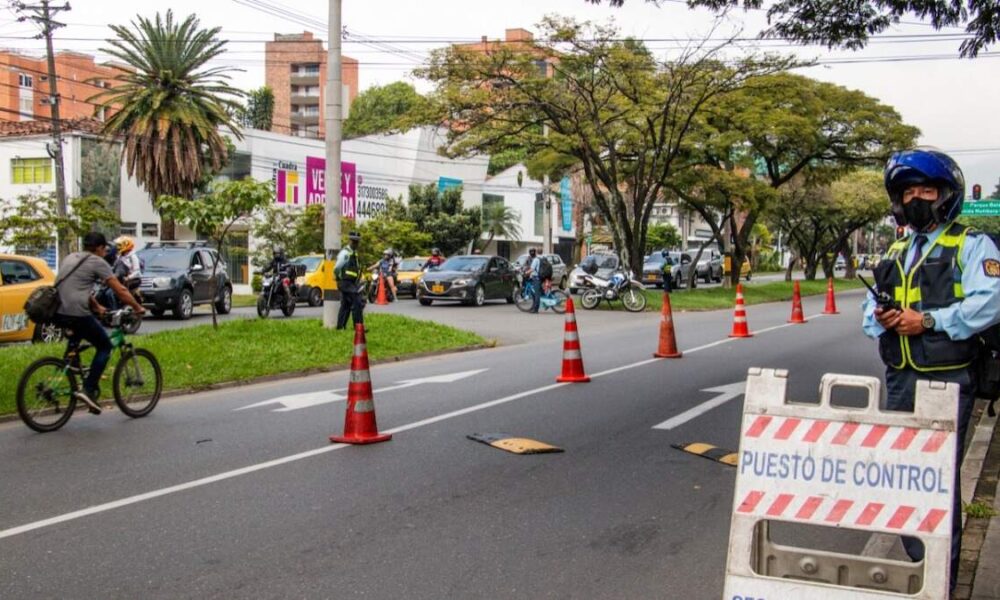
{"points": [[137, 382], [634, 300], [524, 299], [590, 299], [560, 298], [45, 395]]}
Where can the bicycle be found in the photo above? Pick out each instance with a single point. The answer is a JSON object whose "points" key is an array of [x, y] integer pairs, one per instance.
{"points": [[45, 392], [553, 298]]}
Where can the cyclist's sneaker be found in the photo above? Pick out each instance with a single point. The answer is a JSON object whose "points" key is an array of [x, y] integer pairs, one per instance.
{"points": [[92, 405]]}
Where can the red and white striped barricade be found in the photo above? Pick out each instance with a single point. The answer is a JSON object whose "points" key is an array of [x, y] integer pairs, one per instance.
{"points": [[832, 466]]}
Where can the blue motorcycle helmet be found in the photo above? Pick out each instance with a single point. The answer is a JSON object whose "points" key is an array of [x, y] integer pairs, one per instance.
{"points": [[925, 166]]}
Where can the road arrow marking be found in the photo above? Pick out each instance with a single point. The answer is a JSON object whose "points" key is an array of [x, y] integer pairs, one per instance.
{"points": [[725, 394], [310, 399]]}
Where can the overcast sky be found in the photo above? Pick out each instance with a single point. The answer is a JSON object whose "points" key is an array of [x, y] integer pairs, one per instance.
{"points": [[953, 101]]}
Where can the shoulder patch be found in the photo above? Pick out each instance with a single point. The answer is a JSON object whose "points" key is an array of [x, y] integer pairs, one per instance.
{"points": [[991, 267]]}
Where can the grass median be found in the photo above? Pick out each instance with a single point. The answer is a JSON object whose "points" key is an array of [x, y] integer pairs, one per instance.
{"points": [[246, 349], [716, 298]]}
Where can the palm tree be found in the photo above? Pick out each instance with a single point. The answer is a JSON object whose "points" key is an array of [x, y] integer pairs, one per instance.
{"points": [[501, 221], [167, 107]]}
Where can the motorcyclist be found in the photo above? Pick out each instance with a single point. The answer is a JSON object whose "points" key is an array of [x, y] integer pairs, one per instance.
{"points": [[386, 267], [278, 261], [435, 259]]}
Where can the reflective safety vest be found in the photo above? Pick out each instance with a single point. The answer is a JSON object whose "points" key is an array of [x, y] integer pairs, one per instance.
{"points": [[350, 270], [934, 282]]}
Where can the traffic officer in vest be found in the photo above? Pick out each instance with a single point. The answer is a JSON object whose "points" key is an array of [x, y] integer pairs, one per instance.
{"points": [[348, 274], [946, 278]]}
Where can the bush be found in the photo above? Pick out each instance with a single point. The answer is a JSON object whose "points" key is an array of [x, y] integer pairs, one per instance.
{"points": [[256, 283]]}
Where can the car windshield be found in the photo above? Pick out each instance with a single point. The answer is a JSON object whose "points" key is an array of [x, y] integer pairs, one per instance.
{"points": [[162, 259], [411, 264], [467, 264], [607, 261], [311, 262], [655, 259]]}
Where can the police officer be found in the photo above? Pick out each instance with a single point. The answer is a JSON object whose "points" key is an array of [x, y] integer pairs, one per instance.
{"points": [[348, 274], [946, 276]]}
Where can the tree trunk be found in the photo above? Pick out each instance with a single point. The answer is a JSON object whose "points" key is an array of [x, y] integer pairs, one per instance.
{"points": [[791, 265]]}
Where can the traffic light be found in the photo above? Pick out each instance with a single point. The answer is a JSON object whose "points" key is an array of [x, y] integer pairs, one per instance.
{"points": [[977, 191]]}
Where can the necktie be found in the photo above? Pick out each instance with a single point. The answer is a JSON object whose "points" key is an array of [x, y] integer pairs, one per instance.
{"points": [[918, 246]]}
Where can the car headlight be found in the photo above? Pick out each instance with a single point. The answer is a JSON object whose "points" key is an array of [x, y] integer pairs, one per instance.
{"points": [[460, 282], [300, 280], [161, 282]]}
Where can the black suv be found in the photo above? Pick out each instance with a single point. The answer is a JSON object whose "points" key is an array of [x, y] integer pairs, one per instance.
{"points": [[178, 276]]}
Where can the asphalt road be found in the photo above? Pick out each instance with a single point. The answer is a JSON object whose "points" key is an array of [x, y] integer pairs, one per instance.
{"points": [[238, 494]]}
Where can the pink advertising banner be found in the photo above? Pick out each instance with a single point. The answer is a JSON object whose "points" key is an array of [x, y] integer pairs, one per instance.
{"points": [[316, 185]]}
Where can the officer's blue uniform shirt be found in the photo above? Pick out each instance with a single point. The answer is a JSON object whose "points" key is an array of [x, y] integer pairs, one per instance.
{"points": [[980, 281]]}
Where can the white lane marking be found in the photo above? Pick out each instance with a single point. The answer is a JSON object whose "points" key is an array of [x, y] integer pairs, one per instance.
{"points": [[725, 394], [108, 506]]}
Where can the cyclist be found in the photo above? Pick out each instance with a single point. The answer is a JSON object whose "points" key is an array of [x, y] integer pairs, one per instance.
{"points": [[435, 259], [77, 306], [534, 265]]}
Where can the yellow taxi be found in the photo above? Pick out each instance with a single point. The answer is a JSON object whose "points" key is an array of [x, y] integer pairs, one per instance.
{"points": [[408, 275], [19, 275], [745, 271], [319, 276]]}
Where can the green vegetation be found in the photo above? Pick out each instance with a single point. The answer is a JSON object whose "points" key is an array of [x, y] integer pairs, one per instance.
{"points": [[721, 298], [979, 510], [194, 357]]}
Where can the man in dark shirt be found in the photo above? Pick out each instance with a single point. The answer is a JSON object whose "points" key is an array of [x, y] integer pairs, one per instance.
{"points": [[77, 306]]}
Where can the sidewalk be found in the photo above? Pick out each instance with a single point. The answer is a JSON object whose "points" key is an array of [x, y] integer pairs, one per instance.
{"points": [[979, 575]]}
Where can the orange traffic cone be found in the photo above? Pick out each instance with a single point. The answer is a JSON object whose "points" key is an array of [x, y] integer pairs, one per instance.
{"points": [[572, 364], [381, 298], [740, 328], [797, 316], [831, 302], [359, 423], [668, 343]]}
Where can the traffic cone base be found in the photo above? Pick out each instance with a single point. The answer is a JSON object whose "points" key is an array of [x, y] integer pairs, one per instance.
{"points": [[797, 315], [831, 302], [572, 363], [740, 327], [359, 420], [668, 342]]}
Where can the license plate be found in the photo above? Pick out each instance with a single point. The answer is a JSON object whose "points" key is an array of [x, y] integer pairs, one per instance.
{"points": [[437, 289], [651, 276]]}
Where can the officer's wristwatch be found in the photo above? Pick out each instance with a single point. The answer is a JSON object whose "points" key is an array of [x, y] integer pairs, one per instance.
{"points": [[927, 321]]}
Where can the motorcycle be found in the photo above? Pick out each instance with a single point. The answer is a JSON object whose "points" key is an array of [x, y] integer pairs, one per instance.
{"points": [[278, 290], [372, 287], [617, 287]]}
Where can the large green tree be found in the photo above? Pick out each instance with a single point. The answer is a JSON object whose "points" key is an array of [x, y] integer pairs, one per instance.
{"points": [[849, 23], [609, 105], [258, 113], [440, 213], [384, 109], [32, 222], [168, 105]]}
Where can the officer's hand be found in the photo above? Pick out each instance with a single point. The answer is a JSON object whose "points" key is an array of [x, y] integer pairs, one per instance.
{"points": [[887, 318], [910, 323]]}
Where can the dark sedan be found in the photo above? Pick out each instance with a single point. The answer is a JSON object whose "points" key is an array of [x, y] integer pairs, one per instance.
{"points": [[471, 280]]}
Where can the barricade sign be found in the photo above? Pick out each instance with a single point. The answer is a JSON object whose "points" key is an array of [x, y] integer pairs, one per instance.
{"points": [[832, 466]]}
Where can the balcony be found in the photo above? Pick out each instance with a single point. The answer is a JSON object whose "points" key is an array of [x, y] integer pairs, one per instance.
{"points": [[304, 100], [304, 119], [304, 78]]}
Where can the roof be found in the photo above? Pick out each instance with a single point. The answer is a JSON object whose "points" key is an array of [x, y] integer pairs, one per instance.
{"points": [[44, 127]]}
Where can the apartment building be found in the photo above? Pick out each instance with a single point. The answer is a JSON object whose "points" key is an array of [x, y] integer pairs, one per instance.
{"points": [[24, 85], [295, 70]]}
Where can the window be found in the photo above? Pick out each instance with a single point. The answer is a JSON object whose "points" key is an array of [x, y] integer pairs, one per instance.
{"points": [[127, 228], [24, 80], [31, 170], [15, 272], [151, 230], [26, 108], [491, 200]]}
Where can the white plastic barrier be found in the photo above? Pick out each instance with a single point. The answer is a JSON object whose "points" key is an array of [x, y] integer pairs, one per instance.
{"points": [[831, 466]]}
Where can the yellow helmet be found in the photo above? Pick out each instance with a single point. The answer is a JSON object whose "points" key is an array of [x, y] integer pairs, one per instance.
{"points": [[125, 244]]}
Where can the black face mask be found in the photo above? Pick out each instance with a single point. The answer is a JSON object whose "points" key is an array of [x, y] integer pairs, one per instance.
{"points": [[919, 214]]}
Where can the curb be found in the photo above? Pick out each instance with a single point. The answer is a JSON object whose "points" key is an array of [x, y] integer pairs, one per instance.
{"points": [[223, 385], [976, 530]]}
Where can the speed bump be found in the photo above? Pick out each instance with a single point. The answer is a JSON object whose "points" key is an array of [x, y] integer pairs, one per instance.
{"points": [[510, 443], [726, 457]]}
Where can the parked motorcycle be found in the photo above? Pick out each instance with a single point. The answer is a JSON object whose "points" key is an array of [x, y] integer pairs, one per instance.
{"points": [[279, 290], [617, 287]]}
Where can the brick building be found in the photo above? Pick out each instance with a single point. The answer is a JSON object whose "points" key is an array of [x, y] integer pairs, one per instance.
{"points": [[295, 70], [24, 85]]}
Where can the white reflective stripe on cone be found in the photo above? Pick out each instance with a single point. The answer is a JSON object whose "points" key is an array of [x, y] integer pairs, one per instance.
{"points": [[571, 354], [360, 376], [359, 349], [364, 406], [571, 336]]}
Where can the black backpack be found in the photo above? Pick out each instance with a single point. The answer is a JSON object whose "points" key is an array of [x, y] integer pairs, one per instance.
{"points": [[544, 268]]}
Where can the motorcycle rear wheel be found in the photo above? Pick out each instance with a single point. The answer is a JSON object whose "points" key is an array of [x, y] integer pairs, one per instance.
{"points": [[590, 299], [633, 299]]}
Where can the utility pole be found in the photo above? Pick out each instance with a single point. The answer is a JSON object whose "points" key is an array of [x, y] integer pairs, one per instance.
{"points": [[546, 206], [42, 14], [333, 107]]}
